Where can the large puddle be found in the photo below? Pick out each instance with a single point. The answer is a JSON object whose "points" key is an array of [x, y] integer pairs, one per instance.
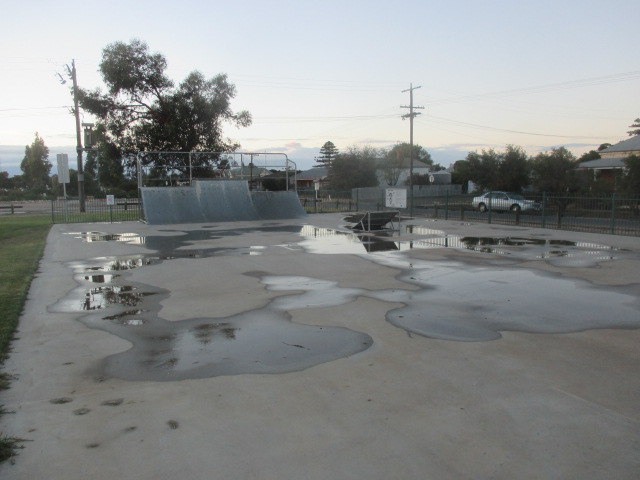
{"points": [[442, 300]]}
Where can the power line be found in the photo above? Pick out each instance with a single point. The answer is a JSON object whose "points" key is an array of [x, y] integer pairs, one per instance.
{"points": [[587, 82], [505, 130]]}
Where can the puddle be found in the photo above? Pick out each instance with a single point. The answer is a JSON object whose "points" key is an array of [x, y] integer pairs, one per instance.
{"points": [[259, 341], [442, 300], [560, 252], [463, 303]]}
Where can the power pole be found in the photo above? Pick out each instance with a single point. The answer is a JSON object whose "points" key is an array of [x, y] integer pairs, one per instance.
{"points": [[76, 111], [410, 115]]}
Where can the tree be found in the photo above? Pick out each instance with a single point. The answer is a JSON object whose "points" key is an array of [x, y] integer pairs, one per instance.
{"points": [[483, 168], [461, 174], [514, 170], [635, 126], [493, 170], [398, 159], [402, 152], [590, 155], [104, 162], [631, 179], [5, 181], [142, 111], [554, 172], [328, 153], [355, 168], [36, 165]]}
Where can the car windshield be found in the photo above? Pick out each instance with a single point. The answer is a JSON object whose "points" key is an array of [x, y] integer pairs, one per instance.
{"points": [[516, 197]]}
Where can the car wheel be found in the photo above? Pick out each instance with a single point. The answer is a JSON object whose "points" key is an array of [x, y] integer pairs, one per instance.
{"points": [[515, 208], [482, 207]]}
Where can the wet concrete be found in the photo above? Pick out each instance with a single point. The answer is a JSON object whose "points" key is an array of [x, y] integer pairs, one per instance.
{"points": [[304, 349], [448, 301]]}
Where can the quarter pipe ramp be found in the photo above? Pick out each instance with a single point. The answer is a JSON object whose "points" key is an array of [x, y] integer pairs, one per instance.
{"points": [[217, 201]]}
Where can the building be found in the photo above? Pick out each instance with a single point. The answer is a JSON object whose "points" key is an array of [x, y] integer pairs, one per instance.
{"points": [[611, 161], [308, 179]]}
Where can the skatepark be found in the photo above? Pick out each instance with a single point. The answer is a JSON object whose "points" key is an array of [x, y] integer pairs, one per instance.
{"points": [[291, 346]]}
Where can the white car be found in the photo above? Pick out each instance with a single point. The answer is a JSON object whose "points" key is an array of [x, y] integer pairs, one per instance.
{"points": [[503, 202]]}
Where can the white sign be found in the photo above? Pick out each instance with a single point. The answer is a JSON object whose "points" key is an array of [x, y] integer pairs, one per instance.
{"points": [[396, 198], [63, 168], [111, 200]]}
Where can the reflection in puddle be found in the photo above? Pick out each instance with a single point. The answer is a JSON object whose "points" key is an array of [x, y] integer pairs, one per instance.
{"points": [[259, 341], [443, 300], [330, 241], [102, 297]]}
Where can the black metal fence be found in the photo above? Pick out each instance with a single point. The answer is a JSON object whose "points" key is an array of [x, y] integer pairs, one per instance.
{"points": [[96, 210], [611, 214], [606, 214]]}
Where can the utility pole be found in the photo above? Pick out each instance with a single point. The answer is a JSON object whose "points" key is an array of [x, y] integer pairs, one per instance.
{"points": [[410, 115], [76, 111]]}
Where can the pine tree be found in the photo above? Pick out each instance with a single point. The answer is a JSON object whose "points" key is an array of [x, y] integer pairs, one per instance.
{"points": [[36, 165], [328, 153], [636, 128]]}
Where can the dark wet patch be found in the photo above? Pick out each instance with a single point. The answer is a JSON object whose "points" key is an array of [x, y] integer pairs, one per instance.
{"points": [[254, 342], [112, 403], [465, 303], [61, 400], [81, 411], [477, 306], [173, 424], [260, 341]]}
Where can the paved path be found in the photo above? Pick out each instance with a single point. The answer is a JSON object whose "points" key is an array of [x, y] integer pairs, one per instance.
{"points": [[405, 406]]}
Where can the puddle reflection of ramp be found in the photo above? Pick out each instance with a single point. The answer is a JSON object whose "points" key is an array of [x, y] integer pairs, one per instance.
{"points": [[217, 201]]}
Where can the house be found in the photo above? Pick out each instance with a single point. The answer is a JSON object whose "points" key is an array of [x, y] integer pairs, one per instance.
{"points": [[308, 179], [611, 161], [398, 174]]}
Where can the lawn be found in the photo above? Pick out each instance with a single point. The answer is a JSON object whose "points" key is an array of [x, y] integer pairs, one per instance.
{"points": [[22, 240]]}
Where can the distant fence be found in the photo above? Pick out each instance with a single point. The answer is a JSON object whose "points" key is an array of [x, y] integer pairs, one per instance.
{"points": [[607, 214], [96, 210]]}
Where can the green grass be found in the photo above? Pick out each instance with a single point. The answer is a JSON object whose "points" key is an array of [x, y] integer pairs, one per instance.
{"points": [[22, 240]]}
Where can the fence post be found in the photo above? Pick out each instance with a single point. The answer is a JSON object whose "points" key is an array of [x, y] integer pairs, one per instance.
{"points": [[490, 205], [544, 209], [613, 213], [446, 206]]}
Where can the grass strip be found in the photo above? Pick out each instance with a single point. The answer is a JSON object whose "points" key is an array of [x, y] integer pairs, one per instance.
{"points": [[22, 241]]}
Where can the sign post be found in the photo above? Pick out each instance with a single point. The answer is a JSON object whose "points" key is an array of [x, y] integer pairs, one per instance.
{"points": [[396, 198], [63, 171], [111, 201]]}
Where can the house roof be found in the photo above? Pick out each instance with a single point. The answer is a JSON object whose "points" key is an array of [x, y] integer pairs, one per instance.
{"points": [[625, 146], [611, 162], [317, 173]]}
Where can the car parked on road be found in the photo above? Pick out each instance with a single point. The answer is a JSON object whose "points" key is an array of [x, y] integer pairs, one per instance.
{"points": [[504, 202]]}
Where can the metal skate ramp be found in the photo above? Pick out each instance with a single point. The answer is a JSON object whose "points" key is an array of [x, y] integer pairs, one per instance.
{"points": [[217, 201]]}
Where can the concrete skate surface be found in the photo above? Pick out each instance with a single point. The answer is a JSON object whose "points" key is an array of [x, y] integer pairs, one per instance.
{"points": [[297, 349]]}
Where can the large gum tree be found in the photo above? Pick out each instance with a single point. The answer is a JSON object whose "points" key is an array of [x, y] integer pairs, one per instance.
{"points": [[142, 110]]}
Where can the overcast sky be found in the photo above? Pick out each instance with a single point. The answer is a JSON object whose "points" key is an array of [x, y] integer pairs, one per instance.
{"points": [[535, 74]]}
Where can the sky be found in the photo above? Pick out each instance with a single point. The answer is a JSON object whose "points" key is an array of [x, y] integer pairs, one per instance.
{"points": [[490, 73]]}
